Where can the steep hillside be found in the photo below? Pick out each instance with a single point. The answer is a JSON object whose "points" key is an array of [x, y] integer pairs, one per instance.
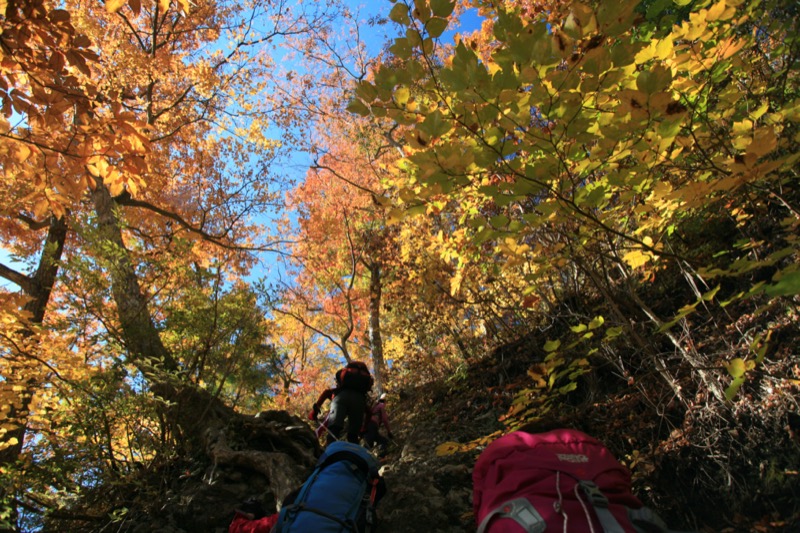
{"points": [[703, 466], [680, 458]]}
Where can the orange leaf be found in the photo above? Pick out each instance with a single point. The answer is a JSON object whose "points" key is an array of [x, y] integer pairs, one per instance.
{"points": [[23, 153]]}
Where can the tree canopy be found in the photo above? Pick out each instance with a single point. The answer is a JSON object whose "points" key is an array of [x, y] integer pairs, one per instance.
{"points": [[612, 187]]}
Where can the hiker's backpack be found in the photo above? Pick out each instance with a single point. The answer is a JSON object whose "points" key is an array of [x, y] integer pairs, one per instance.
{"points": [[340, 495], [562, 480], [355, 376]]}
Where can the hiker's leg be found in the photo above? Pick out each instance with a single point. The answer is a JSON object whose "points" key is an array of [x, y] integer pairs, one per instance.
{"points": [[383, 443], [371, 434], [355, 403]]}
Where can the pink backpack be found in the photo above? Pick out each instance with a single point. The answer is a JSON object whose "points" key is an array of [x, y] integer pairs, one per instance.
{"points": [[562, 480]]}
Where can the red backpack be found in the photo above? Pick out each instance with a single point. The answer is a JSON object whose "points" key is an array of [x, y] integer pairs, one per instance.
{"points": [[355, 376], [562, 480]]}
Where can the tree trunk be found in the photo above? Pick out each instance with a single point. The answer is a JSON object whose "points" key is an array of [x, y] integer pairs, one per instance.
{"points": [[375, 288], [278, 446], [16, 391], [194, 413]]}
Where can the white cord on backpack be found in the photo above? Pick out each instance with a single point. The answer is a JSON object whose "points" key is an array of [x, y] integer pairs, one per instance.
{"points": [[559, 507], [585, 509]]}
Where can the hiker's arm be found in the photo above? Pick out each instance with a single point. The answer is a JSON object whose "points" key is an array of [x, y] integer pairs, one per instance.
{"points": [[327, 394]]}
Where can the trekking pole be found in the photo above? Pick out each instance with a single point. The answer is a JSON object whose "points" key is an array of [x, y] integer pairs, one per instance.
{"points": [[331, 434]]}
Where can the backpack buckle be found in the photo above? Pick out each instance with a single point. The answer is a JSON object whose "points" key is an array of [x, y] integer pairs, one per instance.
{"points": [[595, 495], [521, 511]]}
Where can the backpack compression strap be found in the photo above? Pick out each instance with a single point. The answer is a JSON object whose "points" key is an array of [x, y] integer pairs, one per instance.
{"points": [[644, 520], [297, 507], [519, 510]]}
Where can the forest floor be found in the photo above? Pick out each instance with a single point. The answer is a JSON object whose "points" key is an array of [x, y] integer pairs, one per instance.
{"points": [[432, 492]]}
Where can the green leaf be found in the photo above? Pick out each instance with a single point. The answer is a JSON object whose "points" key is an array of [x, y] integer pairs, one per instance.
{"points": [[551, 346], [499, 221], [417, 210], [596, 322], [399, 14], [414, 38], [569, 387], [733, 388], [736, 367], [788, 284], [656, 80], [357, 106], [442, 8], [435, 124], [707, 297], [580, 328], [401, 48], [366, 91], [436, 26]]}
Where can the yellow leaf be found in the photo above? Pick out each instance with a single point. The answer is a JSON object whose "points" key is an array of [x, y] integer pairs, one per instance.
{"points": [[163, 5], [184, 6], [636, 258], [112, 6], [23, 153], [401, 95], [448, 448], [551, 346], [716, 11], [664, 49], [116, 188]]}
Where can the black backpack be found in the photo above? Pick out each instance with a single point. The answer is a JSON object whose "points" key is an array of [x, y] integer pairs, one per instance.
{"points": [[354, 376]]}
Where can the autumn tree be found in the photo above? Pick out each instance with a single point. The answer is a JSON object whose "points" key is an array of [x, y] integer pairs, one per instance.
{"points": [[142, 141], [605, 133], [339, 252]]}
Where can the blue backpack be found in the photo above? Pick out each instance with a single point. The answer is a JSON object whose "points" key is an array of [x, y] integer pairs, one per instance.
{"points": [[340, 495]]}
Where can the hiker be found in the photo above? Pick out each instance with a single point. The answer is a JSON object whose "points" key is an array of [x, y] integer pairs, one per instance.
{"points": [[353, 382], [377, 418], [558, 480]]}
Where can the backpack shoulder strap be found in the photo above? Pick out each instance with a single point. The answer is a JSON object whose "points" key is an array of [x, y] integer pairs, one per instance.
{"points": [[644, 520], [599, 503], [519, 510]]}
